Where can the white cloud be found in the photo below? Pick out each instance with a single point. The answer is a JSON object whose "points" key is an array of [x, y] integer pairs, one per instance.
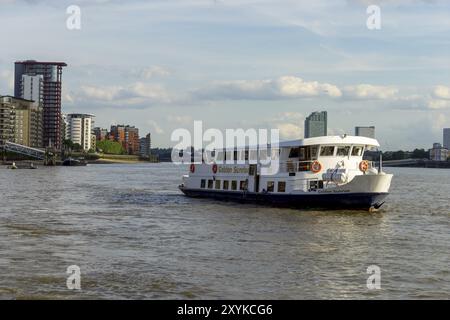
{"points": [[290, 131], [155, 127], [135, 93], [369, 92], [281, 88], [442, 92], [438, 104], [147, 73]]}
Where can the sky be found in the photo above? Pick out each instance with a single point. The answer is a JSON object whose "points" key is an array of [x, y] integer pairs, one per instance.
{"points": [[160, 65]]}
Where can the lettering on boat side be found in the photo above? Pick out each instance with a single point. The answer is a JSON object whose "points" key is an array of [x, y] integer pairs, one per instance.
{"points": [[333, 191], [233, 170]]}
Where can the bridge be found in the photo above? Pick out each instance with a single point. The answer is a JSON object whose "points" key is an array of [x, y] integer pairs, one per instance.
{"points": [[24, 150]]}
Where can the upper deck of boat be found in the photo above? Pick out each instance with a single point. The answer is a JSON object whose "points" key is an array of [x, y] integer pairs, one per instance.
{"points": [[324, 140]]}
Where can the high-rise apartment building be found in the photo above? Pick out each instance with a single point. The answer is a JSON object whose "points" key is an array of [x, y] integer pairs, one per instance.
{"points": [[79, 129], [446, 140], [316, 124], [50, 81], [145, 146]]}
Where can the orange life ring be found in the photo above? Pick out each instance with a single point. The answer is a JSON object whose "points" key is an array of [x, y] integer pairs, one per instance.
{"points": [[192, 168], [316, 166], [364, 165], [214, 168]]}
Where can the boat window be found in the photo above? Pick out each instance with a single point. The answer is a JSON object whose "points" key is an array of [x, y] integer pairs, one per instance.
{"points": [[270, 186], [294, 152], [246, 155], [343, 151], [229, 156], [326, 151], [312, 154], [217, 184], [210, 184], [233, 185], [219, 157], [253, 156], [203, 183], [243, 185], [357, 151], [302, 154], [225, 184], [235, 155], [281, 186]]}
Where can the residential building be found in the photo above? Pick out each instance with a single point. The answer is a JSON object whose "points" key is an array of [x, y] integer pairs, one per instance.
{"points": [[368, 132], [316, 124], [438, 153], [21, 121], [80, 129], [100, 133], [128, 136], [6, 119], [145, 146], [51, 84], [446, 140], [93, 142], [64, 127]]}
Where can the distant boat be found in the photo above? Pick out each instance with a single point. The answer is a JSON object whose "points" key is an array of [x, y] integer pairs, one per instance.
{"points": [[71, 162]]}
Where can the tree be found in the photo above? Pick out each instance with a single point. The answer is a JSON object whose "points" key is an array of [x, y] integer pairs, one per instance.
{"points": [[77, 147], [419, 154], [110, 147], [68, 144]]}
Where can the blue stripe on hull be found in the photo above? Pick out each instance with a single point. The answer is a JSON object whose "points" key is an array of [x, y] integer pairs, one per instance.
{"points": [[299, 201]]}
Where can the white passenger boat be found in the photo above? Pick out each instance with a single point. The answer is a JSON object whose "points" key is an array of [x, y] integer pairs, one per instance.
{"points": [[320, 172]]}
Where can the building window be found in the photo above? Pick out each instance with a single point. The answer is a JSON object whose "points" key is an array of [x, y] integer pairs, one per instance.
{"points": [[210, 184], [270, 186], [203, 184], [243, 185], [281, 186], [327, 151], [233, 185], [225, 184], [217, 184]]}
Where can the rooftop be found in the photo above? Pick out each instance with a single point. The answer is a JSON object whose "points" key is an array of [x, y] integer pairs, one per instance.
{"points": [[62, 64]]}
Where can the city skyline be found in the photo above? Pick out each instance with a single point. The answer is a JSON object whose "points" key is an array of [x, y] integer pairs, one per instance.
{"points": [[241, 64]]}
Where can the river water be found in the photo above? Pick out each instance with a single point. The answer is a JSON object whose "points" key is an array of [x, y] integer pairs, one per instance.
{"points": [[135, 236]]}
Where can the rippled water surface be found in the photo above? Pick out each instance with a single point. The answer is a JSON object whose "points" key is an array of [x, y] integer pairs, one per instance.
{"points": [[134, 235]]}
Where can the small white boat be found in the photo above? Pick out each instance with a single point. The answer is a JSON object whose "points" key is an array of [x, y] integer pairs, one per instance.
{"points": [[320, 172]]}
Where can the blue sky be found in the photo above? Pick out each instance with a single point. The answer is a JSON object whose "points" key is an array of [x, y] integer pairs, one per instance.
{"points": [[160, 65]]}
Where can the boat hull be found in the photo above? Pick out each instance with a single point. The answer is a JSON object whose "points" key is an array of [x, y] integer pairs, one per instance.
{"points": [[363, 200]]}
